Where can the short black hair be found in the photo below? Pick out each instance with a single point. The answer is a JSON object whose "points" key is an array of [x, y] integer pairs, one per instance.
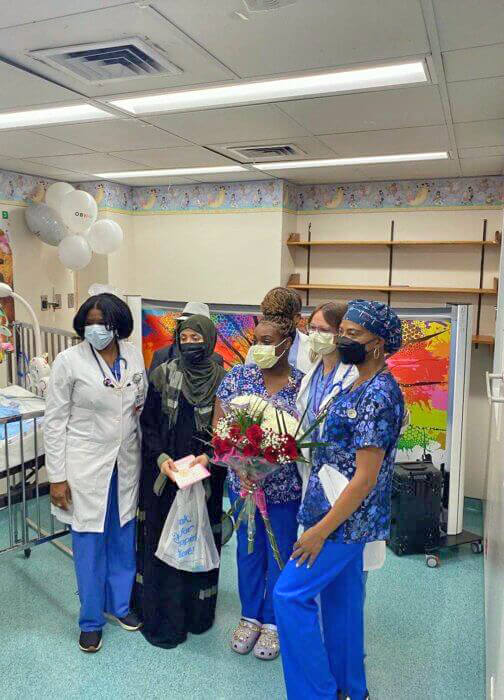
{"points": [[116, 314]]}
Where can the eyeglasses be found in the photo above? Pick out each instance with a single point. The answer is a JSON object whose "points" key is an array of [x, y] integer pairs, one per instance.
{"points": [[315, 329]]}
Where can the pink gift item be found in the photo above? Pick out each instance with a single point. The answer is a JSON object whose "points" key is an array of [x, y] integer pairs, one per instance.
{"points": [[186, 476]]}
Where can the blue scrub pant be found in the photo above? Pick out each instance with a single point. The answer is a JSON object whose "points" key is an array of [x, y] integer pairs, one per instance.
{"points": [[317, 668], [105, 566], [258, 572]]}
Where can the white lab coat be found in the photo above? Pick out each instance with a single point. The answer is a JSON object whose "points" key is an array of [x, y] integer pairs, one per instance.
{"points": [[90, 427], [374, 552], [302, 360]]}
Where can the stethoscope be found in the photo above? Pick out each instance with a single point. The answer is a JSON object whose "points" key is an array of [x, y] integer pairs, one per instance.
{"points": [[327, 382], [107, 382], [352, 412]]}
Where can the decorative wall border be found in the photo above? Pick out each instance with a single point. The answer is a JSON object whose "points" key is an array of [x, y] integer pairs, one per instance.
{"points": [[273, 195]]}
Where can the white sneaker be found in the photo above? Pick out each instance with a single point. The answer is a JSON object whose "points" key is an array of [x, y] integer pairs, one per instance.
{"points": [[244, 637]]}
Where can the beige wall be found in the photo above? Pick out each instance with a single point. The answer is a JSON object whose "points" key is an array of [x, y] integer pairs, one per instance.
{"points": [[218, 258]]}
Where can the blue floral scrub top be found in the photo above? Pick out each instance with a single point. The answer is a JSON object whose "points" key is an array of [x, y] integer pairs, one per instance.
{"points": [[285, 484], [379, 405]]}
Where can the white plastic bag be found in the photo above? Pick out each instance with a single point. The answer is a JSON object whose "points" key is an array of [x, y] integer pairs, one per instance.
{"points": [[187, 542]]}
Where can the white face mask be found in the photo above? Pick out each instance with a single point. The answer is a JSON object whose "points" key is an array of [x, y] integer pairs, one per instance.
{"points": [[98, 336], [322, 343], [264, 355]]}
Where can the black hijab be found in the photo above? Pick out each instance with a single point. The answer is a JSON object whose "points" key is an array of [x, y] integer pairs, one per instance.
{"points": [[202, 378]]}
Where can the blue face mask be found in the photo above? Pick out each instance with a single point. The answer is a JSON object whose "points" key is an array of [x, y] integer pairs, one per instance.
{"points": [[98, 336]]}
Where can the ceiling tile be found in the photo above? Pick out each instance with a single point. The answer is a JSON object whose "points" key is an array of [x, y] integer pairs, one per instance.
{"points": [[469, 64], [393, 171], [484, 133], [17, 13], [482, 166], [465, 23], [183, 157], [21, 89], [361, 143], [27, 167], [113, 136], [230, 124], [111, 23], [366, 111], [472, 100], [88, 163], [311, 147], [27, 144], [484, 152], [234, 177], [302, 36]]}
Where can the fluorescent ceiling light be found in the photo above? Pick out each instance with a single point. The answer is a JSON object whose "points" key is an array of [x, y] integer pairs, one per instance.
{"points": [[173, 171], [280, 89], [52, 115], [362, 160]]}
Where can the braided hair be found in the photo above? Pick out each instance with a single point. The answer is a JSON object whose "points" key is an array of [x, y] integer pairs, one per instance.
{"points": [[279, 307]]}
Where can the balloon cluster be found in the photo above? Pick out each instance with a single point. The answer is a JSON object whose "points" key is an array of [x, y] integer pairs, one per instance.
{"points": [[68, 220]]}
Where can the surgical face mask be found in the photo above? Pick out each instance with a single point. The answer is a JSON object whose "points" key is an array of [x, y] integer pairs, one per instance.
{"points": [[322, 342], [193, 353], [264, 355], [351, 352], [98, 335]]}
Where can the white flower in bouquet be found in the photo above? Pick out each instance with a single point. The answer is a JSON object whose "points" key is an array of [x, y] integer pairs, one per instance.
{"points": [[254, 404], [273, 417]]}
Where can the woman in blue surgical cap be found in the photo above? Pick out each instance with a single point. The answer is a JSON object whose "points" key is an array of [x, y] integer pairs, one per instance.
{"points": [[346, 505]]}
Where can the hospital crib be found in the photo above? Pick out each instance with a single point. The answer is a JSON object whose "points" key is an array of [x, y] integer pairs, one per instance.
{"points": [[25, 519]]}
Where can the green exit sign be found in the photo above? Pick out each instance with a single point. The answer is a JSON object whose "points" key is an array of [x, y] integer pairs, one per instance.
{"points": [[5, 215]]}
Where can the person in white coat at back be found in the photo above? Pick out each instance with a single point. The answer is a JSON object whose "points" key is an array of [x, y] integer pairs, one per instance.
{"points": [[327, 378], [92, 445]]}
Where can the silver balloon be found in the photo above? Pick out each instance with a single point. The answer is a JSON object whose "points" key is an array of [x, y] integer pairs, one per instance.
{"points": [[45, 223]]}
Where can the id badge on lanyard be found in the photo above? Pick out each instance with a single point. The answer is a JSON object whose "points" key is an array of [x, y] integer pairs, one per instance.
{"points": [[139, 395]]}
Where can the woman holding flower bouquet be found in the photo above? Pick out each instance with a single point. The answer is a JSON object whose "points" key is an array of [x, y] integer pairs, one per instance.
{"points": [[273, 379], [175, 422], [361, 431]]}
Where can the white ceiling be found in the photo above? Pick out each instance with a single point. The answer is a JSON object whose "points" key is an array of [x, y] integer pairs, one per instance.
{"points": [[462, 111]]}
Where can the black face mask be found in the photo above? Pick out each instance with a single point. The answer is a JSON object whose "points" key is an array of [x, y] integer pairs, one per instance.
{"points": [[193, 353], [351, 352]]}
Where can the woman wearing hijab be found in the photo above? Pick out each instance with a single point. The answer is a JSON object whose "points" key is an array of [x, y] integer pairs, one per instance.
{"points": [[177, 415], [361, 432]]}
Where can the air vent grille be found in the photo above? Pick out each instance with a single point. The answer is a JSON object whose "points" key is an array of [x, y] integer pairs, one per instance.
{"points": [[267, 152], [104, 62]]}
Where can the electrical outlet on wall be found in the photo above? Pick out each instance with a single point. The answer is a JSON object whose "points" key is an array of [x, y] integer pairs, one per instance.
{"points": [[71, 301]]}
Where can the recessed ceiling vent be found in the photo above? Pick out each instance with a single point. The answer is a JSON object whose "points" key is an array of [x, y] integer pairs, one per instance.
{"points": [[266, 5], [271, 152], [104, 62]]}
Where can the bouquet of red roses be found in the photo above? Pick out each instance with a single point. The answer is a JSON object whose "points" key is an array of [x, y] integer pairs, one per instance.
{"points": [[254, 439]]}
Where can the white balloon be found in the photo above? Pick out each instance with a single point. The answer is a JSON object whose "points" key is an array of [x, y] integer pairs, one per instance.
{"points": [[98, 288], [55, 194], [74, 252], [78, 210], [45, 223], [105, 236]]}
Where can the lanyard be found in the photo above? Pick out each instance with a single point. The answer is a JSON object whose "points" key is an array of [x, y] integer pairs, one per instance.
{"points": [[317, 403]]}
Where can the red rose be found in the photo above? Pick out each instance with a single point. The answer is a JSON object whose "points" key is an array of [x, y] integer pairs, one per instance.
{"points": [[290, 447], [221, 447], [271, 455], [254, 434], [250, 450], [235, 432]]}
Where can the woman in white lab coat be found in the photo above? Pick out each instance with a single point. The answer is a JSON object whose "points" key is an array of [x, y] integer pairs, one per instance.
{"points": [[92, 446]]}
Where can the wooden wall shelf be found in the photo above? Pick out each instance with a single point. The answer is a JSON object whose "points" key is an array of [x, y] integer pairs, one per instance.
{"points": [[294, 283], [295, 241], [483, 340]]}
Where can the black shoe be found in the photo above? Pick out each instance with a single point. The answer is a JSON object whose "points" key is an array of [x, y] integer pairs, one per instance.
{"points": [[90, 642], [130, 622]]}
